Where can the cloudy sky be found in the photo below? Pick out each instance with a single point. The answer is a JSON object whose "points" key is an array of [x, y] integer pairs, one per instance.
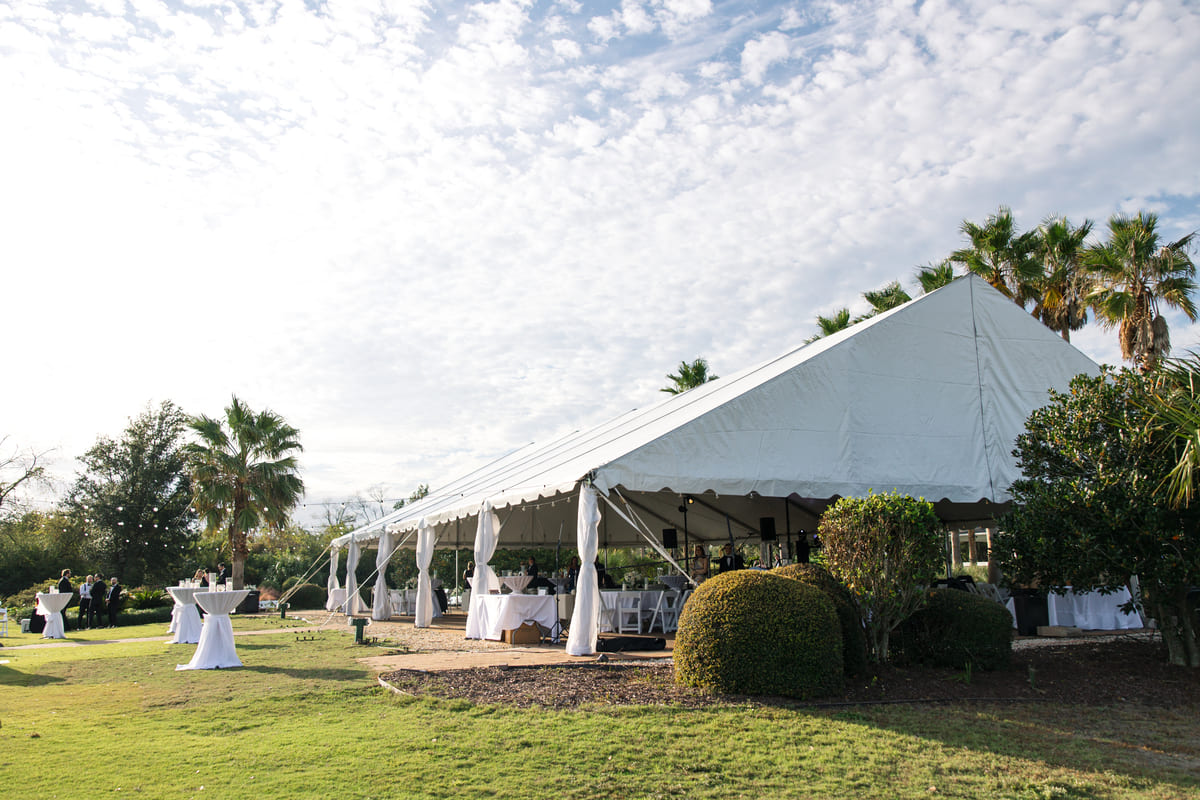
{"points": [[426, 233]]}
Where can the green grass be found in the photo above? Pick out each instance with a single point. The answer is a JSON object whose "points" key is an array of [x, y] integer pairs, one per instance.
{"points": [[304, 719]]}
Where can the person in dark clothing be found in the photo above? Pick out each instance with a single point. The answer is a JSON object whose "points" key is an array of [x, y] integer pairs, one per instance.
{"points": [[730, 560], [572, 573], [222, 575], [65, 587], [85, 601], [99, 596], [114, 601], [531, 568], [604, 580]]}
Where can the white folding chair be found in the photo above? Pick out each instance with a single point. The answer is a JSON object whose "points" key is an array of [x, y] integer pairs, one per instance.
{"points": [[608, 611], [668, 611], [629, 612]]}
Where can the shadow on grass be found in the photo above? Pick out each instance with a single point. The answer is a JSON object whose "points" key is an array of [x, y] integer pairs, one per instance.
{"points": [[15, 677], [316, 673]]}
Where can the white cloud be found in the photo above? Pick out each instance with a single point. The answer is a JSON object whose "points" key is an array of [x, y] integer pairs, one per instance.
{"points": [[759, 54]]}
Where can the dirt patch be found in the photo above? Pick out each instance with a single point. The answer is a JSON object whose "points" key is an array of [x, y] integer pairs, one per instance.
{"points": [[1104, 671]]}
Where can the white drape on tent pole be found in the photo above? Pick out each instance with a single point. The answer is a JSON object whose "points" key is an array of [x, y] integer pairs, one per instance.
{"points": [[332, 584], [486, 536], [354, 603], [424, 586], [382, 607], [585, 621]]}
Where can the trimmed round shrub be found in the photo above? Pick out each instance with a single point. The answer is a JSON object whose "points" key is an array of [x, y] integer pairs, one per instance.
{"points": [[751, 632], [854, 641], [289, 582], [957, 628], [309, 595]]}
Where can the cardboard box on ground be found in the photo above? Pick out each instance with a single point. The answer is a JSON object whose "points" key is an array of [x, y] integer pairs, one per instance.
{"points": [[528, 633]]}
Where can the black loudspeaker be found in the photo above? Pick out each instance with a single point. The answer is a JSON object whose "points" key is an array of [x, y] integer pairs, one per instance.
{"points": [[766, 526], [670, 538]]}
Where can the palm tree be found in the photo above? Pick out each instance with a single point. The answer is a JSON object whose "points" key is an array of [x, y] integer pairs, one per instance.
{"points": [[884, 299], [244, 474], [1135, 275], [1062, 301], [1002, 257], [690, 376], [1174, 405], [935, 276], [831, 325]]}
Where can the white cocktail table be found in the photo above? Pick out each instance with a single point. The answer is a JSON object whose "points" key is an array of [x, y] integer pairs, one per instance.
{"points": [[50, 605], [216, 650], [185, 619]]}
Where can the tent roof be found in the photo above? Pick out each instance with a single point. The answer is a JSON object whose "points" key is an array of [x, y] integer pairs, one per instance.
{"points": [[926, 399]]}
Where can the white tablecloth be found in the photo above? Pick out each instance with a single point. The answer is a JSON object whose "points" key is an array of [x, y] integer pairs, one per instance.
{"points": [[516, 582], [610, 600], [1092, 611], [337, 599], [216, 649], [50, 605], [497, 613], [185, 619]]}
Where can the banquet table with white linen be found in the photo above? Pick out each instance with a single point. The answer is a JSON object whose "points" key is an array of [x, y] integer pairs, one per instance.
{"points": [[216, 650], [1092, 611], [185, 619], [497, 613], [50, 605], [517, 583]]}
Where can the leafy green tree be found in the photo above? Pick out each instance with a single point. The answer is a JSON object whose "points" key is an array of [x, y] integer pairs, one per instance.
{"points": [[689, 377], [1001, 256], [1061, 302], [1088, 513], [245, 474], [1135, 276], [131, 500], [886, 549], [934, 276], [827, 326], [35, 547]]}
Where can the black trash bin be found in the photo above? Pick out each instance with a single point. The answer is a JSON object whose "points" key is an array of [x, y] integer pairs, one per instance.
{"points": [[1032, 610], [249, 605]]}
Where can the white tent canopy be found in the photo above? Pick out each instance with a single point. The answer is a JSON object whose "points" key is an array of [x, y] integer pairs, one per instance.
{"points": [[926, 399]]}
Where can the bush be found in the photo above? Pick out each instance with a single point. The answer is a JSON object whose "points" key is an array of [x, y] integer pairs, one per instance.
{"points": [[957, 628], [751, 632], [854, 641], [289, 582], [885, 548], [147, 597], [308, 595]]}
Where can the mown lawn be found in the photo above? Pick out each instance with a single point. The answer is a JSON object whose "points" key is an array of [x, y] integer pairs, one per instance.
{"points": [[304, 719]]}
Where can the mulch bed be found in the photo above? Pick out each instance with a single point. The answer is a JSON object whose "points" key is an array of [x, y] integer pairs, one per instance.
{"points": [[1106, 671]]}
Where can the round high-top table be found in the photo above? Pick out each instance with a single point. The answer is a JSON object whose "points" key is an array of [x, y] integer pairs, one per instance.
{"points": [[216, 650], [50, 605], [516, 583], [185, 619]]}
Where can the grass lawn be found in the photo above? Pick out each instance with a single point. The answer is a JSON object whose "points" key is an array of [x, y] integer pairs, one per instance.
{"points": [[304, 719]]}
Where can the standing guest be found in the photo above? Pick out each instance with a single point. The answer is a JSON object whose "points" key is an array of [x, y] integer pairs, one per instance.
{"points": [[65, 587], [85, 602], [114, 601], [700, 564], [531, 568], [730, 561], [201, 578], [572, 573], [99, 595], [221, 574]]}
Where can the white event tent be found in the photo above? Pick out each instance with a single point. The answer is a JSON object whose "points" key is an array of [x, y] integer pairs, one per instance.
{"points": [[926, 399]]}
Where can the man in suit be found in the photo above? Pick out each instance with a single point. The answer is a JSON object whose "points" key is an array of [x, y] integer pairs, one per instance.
{"points": [[222, 575], [99, 595], [65, 587], [730, 561], [114, 601]]}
